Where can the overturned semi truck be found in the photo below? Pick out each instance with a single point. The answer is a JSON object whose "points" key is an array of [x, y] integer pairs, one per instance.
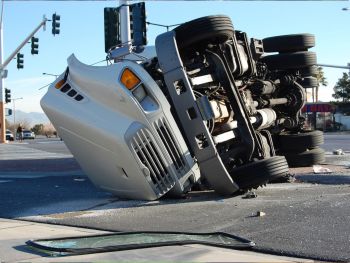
{"points": [[210, 107]]}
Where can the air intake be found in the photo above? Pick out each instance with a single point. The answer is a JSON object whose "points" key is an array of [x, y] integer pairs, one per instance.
{"points": [[170, 144], [149, 156]]}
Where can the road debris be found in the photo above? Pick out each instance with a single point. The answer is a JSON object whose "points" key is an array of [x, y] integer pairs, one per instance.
{"points": [[250, 195], [260, 214], [318, 169], [338, 152]]}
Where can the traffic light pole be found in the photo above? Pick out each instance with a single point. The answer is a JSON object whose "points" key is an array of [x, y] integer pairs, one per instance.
{"points": [[125, 22], [2, 106], [335, 66], [3, 67], [8, 60]]}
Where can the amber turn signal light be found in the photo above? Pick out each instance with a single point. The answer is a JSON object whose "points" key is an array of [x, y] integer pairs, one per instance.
{"points": [[129, 79], [60, 83]]}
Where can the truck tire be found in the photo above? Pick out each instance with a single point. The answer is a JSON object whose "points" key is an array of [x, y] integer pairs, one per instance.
{"points": [[290, 60], [299, 141], [308, 82], [289, 43], [258, 173], [307, 158], [204, 30], [308, 71]]}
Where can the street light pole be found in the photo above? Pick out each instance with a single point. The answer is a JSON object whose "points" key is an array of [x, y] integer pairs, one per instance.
{"points": [[14, 114], [49, 74]]}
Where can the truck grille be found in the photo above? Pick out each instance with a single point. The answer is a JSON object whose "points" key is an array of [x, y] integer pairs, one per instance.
{"points": [[149, 156], [170, 144]]}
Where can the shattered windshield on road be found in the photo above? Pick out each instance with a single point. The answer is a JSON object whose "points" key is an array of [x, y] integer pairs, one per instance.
{"points": [[133, 240]]}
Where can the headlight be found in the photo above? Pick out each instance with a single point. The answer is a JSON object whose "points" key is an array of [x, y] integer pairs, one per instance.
{"points": [[139, 93]]}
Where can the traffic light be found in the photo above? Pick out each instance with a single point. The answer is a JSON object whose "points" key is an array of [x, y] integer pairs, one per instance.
{"points": [[55, 24], [35, 45], [20, 60], [7, 95], [138, 26], [8, 112], [112, 33]]}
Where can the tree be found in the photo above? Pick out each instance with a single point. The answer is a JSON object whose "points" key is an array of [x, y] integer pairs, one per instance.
{"points": [[342, 88], [38, 129], [321, 79], [49, 130]]}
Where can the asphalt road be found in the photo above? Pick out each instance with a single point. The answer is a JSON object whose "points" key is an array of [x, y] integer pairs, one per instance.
{"points": [[302, 219], [55, 145], [335, 141], [51, 145]]}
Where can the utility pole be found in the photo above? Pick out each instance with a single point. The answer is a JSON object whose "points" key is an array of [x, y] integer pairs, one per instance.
{"points": [[3, 72]]}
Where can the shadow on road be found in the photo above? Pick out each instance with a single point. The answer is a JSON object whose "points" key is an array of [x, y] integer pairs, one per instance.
{"points": [[39, 165], [325, 179]]}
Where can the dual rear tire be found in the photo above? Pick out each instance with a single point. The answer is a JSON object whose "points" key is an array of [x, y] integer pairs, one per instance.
{"points": [[301, 149], [200, 32], [293, 56]]}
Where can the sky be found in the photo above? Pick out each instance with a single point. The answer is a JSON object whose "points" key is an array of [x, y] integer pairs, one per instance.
{"points": [[82, 33]]}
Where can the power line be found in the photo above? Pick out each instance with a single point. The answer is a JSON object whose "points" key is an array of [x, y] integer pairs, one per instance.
{"points": [[98, 62]]}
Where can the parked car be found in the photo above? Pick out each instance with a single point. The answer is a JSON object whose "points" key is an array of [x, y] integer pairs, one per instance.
{"points": [[9, 135], [28, 135]]}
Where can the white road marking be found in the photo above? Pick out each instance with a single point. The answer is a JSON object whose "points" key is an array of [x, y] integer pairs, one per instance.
{"points": [[33, 175], [5, 181], [17, 152], [49, 142]]}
